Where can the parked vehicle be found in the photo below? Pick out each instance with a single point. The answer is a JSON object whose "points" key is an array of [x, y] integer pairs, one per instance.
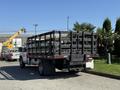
{"points": [[59, 49], [9, 48], [10, 54]]}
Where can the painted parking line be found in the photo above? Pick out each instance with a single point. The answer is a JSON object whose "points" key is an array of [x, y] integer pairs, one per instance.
{"points": [[4, 75]]}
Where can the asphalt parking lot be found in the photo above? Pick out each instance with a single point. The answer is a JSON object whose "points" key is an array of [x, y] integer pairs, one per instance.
{"points": [[14, 78]]}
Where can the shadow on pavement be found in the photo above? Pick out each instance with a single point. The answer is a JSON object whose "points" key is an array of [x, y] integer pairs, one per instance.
{"points": [[30, 73]]}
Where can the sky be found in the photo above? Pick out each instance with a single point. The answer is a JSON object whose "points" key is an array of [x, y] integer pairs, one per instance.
{"points": [[52, 14]]}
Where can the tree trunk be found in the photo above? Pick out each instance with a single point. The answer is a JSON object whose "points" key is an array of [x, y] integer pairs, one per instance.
{"points": [[109, 58]]}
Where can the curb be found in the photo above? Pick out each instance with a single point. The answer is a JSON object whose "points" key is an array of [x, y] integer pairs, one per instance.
{"points": [[103, 74]]}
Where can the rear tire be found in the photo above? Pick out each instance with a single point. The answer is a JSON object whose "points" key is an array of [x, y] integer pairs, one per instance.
{"points": [[22, 64], [6, 59], [73, 72], [46, 68], [40, 68]]}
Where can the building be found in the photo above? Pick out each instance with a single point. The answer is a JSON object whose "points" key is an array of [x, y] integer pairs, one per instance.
{"points": [[5, 37]]}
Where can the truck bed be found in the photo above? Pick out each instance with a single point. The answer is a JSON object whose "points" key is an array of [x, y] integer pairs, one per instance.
{"points": [[61, 44]]}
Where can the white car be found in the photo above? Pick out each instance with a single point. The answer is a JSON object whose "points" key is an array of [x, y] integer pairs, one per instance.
{"points": [[10, 54], [15, 54]]}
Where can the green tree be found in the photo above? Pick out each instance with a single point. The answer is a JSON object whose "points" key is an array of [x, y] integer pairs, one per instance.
{"points": [[117, 26], [77, 27], [107, 25], [100, 34], [108, 38], [83, 27], [100, 46], [87, 27], [117, 41]]}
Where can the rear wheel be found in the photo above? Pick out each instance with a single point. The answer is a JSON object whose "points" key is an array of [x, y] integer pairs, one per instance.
{"points": [[46, 67], [22, 64], [40, 68], [3, 58], [73, 72], [6, 58]]}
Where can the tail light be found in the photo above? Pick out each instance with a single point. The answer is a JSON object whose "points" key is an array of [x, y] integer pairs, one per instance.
{"points": [[88, 58]]}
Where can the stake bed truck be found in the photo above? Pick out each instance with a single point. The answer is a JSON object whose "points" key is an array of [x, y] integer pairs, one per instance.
{"points": [[59, 49]]}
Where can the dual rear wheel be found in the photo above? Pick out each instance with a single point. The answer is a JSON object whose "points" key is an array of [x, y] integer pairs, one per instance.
{"points": [[46, 67], [22, 64]]}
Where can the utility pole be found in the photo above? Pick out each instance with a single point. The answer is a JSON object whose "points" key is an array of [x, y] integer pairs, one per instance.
{"points": [[35, 25], [67, 23]]}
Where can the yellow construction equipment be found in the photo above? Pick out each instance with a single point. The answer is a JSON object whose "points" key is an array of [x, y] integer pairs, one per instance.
{"points": [[8, 43]]}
